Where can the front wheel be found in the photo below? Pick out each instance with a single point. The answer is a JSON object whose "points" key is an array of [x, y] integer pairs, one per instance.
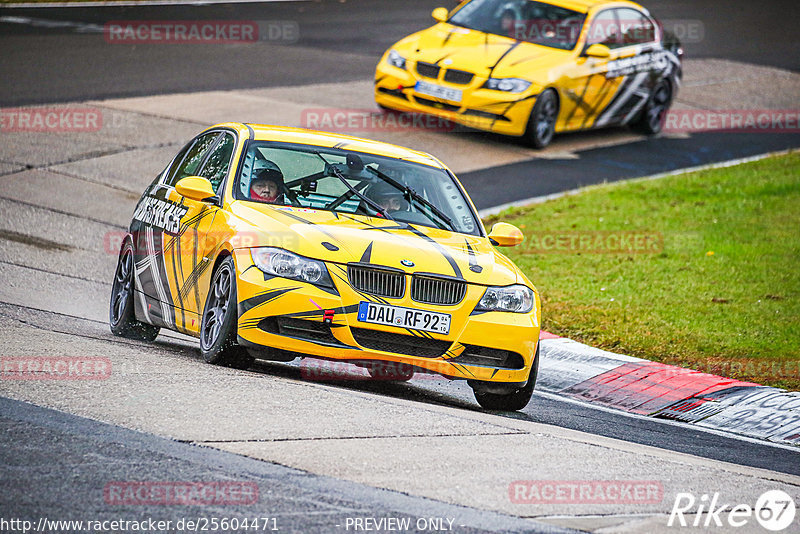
{"points": [[542, 122], [513, 401], [220, 321], [652, 117], [121, 317]]}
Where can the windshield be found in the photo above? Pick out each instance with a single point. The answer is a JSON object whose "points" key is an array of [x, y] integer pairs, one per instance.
{"points": [[353, 182], [523, 20]]}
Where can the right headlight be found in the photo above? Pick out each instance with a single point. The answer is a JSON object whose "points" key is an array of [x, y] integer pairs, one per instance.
{"points": [[509, 85], [279, 262], [396, 60], [516, 298]]}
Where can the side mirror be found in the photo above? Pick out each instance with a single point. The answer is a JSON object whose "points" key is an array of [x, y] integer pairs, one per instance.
{"points": [[195, 188], [598, 50], [506, 235], [440, 14]]}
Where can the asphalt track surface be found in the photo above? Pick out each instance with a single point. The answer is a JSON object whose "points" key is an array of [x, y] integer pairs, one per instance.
{"points": [[339, 41], [289, 500], [56, 56], [527, 179], [543, 408]]}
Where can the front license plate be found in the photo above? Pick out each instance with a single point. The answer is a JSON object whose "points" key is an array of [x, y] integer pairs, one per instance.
{"points": [[370, 312], [438, 91]]}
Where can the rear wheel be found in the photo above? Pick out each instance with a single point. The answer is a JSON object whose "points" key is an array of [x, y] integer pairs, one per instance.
{"points": [[514, 400], [220, 320], [542, 122], [121, 317], [652, 117]]}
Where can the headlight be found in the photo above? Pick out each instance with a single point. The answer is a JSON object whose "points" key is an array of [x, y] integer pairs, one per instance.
{"points": [[509, 85], [396, 60], [518, 299], [279, 262]]}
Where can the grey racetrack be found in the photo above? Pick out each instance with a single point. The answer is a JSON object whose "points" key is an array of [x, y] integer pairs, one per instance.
{"points": [[171, 417]]}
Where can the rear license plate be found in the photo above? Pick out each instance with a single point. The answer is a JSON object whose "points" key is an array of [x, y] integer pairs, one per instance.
{"points": [[371, 312], [438, 91]]}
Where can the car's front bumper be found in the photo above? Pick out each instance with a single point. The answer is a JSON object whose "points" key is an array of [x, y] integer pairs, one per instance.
{"points": [[289, 315], [479, 108]]}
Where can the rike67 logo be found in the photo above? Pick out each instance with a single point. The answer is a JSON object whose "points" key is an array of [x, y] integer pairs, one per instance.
{"points": [[774, 510]]}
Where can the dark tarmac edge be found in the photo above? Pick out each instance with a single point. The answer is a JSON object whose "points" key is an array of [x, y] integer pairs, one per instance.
{"points": [[31, 433], [540, 177]]}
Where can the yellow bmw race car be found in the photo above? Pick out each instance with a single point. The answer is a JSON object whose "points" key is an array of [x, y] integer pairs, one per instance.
{"points": [[534, 68], [273, 243]]}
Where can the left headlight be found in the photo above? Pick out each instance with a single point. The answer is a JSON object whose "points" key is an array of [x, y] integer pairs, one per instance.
{"points": [[509, 85], [396, 60], [279, 262], [517, 299]]}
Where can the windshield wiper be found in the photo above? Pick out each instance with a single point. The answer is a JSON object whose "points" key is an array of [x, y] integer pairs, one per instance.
{"points": [[411, 194], [374, 205]]}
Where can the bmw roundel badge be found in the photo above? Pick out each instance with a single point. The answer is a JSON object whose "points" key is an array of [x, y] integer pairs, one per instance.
{"points": [[407, 263]]}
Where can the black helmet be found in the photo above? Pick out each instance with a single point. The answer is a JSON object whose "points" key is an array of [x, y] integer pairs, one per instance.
{"points": [[267, 170], [387, 196]]}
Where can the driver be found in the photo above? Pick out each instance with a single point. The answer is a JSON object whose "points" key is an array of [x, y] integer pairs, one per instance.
{"points": [[508, 23], [387, 197], [267, 184]]}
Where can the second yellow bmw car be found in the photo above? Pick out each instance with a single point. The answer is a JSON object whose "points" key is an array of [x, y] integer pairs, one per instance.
{"points": [[274, 243], [531, 69]]}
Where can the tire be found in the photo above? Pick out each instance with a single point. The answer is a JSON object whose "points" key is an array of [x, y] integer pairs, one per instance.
{"points": [[121, 317], [542, 122], [220, 321], [651, 118], [514, 401]]}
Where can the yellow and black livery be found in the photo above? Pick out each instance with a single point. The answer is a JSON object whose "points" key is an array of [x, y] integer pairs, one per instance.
{"points": [[531, 69], [340, 281]]}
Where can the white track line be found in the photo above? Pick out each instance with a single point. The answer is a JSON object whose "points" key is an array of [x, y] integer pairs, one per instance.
{"points": [[544, 198], [80, 27], [730, 435], [134, 3]]}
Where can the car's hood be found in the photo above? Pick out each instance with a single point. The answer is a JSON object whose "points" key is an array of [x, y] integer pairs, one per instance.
{"points": [[344, 238], [482, 53]]}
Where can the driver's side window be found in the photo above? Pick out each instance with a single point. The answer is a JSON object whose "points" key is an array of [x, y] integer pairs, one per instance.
{"points": [[604, 30], [216, 166], [635, 27], [187, 164]]}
